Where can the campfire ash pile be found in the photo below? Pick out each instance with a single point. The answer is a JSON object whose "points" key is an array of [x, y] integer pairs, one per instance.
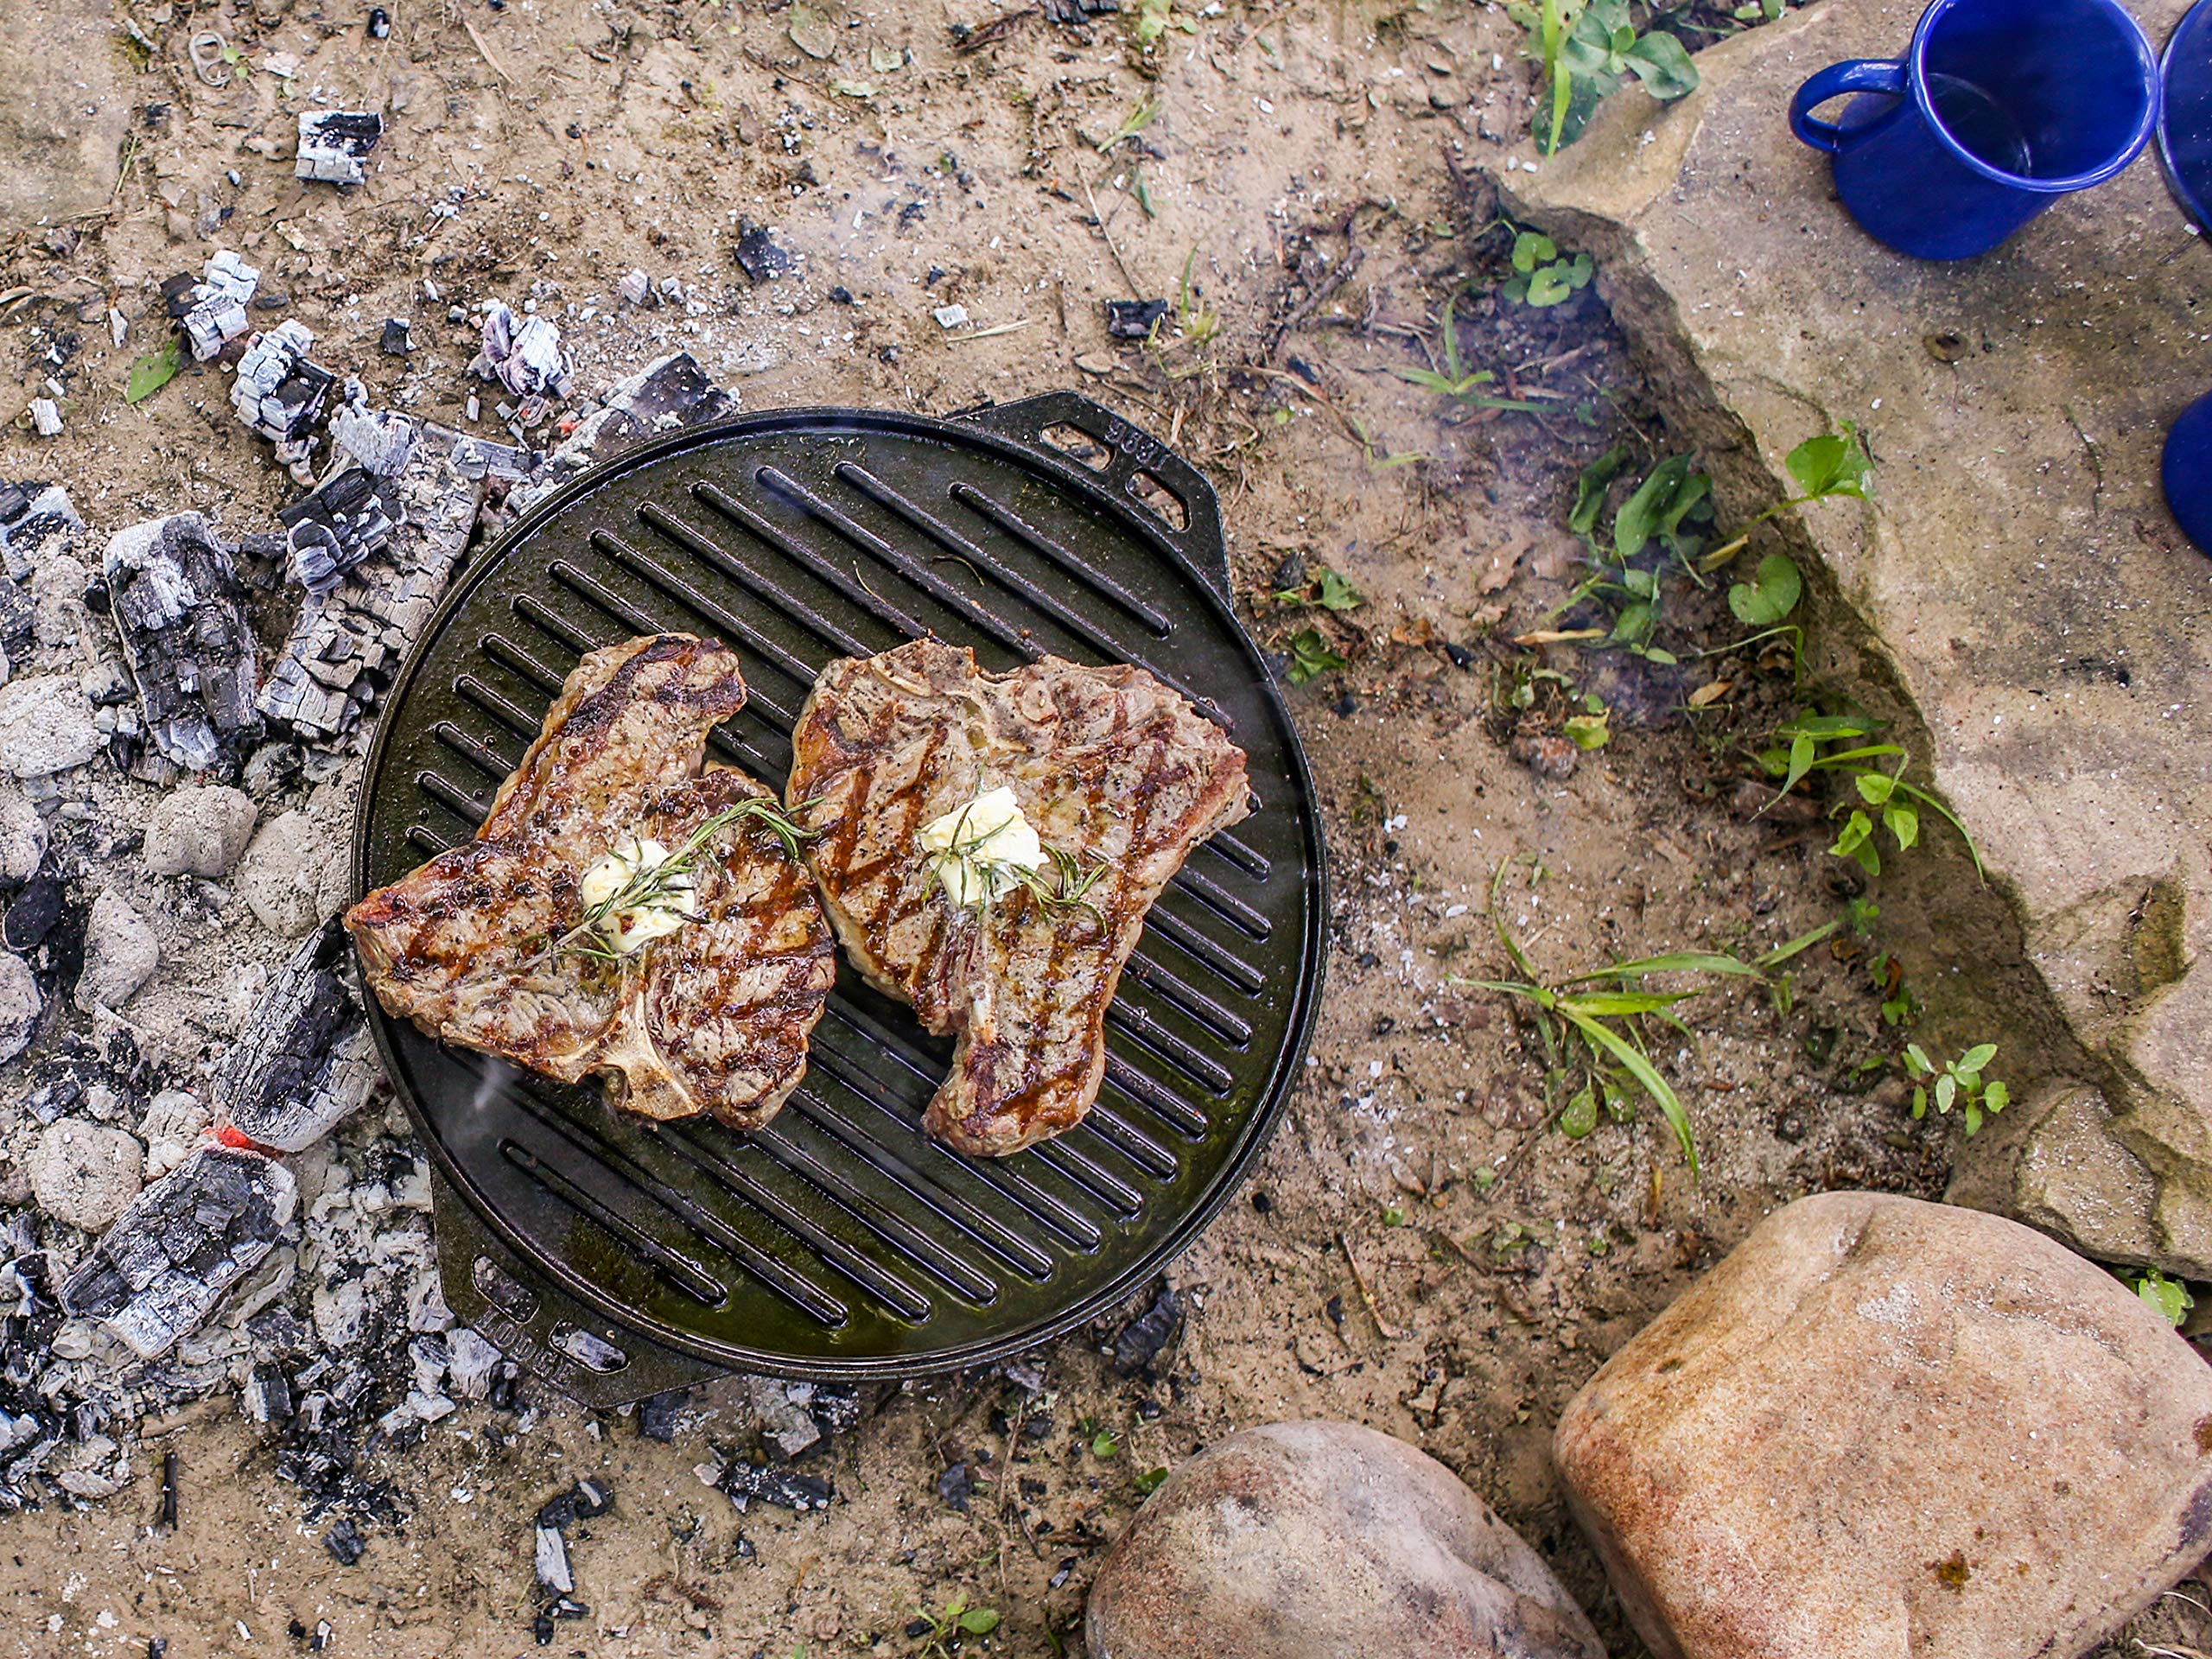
{"points": [[191, 1206]]}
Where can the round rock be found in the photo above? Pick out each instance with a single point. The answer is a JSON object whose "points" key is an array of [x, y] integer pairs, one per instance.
{"points": [[201, 831], [20, 1006], [282, 875], [1313, 1541], [120, 953], [84, 1174], [171, 1129], [22, 836]]}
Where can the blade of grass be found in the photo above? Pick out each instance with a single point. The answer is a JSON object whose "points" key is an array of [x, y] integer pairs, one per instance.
{"points": [[1642, 1069]]}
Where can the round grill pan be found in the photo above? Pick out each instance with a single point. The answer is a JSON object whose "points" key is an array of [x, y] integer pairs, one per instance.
{"points": [[618, 1258]]}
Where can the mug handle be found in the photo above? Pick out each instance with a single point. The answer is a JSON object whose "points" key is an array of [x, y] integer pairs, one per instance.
{"points": [[1859, 76]]}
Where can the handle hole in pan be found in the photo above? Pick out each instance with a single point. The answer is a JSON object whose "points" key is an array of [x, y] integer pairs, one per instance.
{"points": [[1160, 499], [1076, 444]]}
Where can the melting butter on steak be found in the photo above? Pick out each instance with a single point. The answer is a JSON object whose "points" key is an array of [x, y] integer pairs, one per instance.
{"points": [[479, 948], [1109, 767]]}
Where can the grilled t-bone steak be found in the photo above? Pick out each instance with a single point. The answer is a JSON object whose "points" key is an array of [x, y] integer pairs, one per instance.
{"points": [[1115, 773], [484, 946]]}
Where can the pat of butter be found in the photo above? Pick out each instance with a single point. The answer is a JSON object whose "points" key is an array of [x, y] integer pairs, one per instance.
{"points": [[974, 850], [633, 927]]}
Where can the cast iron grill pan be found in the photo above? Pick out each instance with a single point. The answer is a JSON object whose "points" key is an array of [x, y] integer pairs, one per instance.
{"points": [[616, 1257]]}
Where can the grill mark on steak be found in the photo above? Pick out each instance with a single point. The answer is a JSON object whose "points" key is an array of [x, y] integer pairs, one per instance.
{"points": [[714, 1017], [1106, 762]]}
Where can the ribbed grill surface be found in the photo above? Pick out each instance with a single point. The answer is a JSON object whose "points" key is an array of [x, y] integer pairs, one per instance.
{"points": [[840, 1240]]}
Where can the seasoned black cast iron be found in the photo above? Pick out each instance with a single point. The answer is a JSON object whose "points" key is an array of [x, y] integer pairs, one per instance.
{"points": [[618, 1258]]}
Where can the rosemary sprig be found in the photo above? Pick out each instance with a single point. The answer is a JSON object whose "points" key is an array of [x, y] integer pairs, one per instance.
{"points": [[652, 888], [1075, 879]]}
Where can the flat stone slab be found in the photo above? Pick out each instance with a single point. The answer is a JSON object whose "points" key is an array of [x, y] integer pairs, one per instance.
{"points": [[65, 106], [2015, 594]]}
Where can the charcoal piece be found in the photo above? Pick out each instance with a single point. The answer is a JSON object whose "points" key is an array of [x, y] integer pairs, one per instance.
{"points": [[377, 439], [593, 1498], [1074, 11], [334, 144], [35, 911], [344, 1541], [379, 23], [541, 1628], [658, 1415], [836, 1407], [346, 644], [180, 607], [1142, 1337], [395, 341], [348, 518], [524, 357], [268, 1396], [1133, 319], [667, 394], [550, 1559], [304, 1060], [956, 1485], [744, 1482], [35, 519], [177, 295], [757, 254], [568, 1607], [277, 391], [181, 1245], [216, 315]]}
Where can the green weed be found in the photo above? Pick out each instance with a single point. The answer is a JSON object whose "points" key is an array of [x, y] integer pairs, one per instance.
{"points": [[1587, 49], [1956, 1083], [1540, 276], [1457, 381], [1838, 743], [2168, 1298], [951, 1622]]}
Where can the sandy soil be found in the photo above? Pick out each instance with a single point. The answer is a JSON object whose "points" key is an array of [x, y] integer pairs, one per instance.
{"points": [[574, 141]]}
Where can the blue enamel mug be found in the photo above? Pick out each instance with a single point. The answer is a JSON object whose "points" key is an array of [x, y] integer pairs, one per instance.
{"points": [[1997, 109]]}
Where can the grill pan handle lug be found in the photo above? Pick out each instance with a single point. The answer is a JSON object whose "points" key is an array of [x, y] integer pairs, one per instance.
{"points": [[468, 1255], [1136, 462]]}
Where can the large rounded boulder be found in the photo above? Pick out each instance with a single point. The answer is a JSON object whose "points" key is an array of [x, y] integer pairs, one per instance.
{"points": [[1320, 1540]]}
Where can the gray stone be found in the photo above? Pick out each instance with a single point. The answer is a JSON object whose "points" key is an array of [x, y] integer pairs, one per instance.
{"points": [[22, 836], [20, 1006], [1883, 1429], [283, 872], [120, 953], [1315, 1541], [84, 1174], [64, 109], [199, 830], [2015, 596], [46, 726]]}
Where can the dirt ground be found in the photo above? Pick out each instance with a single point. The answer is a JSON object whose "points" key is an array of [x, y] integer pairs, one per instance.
{"points": [[1304, 185]]}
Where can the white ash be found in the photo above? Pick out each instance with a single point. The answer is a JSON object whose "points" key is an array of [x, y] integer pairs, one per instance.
{"points": [[525, 357], [21, 1006], [346, 643], [551, 1561], [172, 1127], [347, 517], [84, 1174], [22, 836], [217, 314], [278, 392], [335, 145], [199, 830], [666, 396], [471, 1363], [46, 417], [34, 519], [46, 726], [179, 607], [120, 953]]}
